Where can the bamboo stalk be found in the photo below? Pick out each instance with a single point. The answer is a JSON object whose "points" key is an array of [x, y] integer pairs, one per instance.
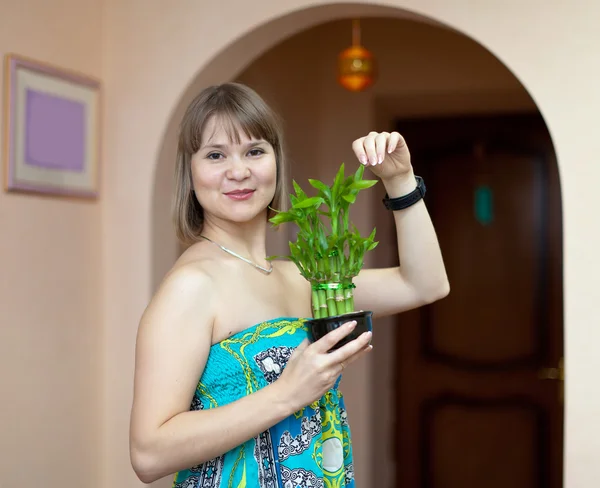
{"points": [[332, 301], [340, 301], [322, 303], [331, 304], [315, 304], [350, 299]]}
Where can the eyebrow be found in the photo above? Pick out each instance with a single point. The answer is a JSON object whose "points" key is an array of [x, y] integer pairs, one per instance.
{"points": [[222, 146]]}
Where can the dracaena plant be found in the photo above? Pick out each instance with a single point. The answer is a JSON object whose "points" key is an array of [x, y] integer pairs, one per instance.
{"points": [[329, 250]]}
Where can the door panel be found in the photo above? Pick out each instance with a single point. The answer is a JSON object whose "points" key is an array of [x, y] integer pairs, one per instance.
{"points": [[499, 443], [498, 264], [471, 407]]}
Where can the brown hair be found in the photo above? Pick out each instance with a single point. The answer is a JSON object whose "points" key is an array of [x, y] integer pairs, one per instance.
{"points": [[240, 107]]}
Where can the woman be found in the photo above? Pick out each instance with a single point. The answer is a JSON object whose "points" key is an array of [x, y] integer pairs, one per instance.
{"points": [[225, 334]]}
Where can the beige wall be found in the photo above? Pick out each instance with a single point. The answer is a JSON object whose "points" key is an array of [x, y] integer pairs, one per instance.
{"points": [[149, 55], [50, 286]]}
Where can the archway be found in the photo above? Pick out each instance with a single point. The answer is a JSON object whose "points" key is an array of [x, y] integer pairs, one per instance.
{"points": [[219, 70], [229, 63]]}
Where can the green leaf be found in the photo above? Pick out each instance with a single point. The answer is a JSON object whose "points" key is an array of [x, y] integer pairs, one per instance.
{"points": [[310, 202], [360, 171], [272, 258], [337, 183], [350, 197], [362, 184], [299, 191], [319, 185], [322, 240], [282, 217], [347, 182]]}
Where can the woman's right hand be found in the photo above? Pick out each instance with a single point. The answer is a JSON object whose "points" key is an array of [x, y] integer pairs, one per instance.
{"points": [[311, 370]]}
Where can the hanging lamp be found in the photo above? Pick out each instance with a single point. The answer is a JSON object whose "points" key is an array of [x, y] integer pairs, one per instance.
{"points": [[356, 65]]}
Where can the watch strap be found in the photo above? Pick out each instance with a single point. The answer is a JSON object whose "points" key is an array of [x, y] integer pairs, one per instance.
{"points": [[405, 201]]}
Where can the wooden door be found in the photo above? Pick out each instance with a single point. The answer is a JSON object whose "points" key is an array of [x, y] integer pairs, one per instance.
{"points": [[478, 385]]}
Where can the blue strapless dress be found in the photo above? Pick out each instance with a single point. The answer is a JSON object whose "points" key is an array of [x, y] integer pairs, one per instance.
{"points": [[311, 448]]}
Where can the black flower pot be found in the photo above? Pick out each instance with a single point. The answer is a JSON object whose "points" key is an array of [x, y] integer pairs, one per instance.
{"points": [[317, 328]]}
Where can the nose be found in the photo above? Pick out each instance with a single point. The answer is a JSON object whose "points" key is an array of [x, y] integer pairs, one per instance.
{"points": [[238, 169]]}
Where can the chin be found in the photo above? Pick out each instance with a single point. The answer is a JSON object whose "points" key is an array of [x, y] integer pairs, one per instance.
{"points": [[242, 217]]}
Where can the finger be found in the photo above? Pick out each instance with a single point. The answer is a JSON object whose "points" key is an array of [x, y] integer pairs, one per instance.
{"points": [[396, 141], [359, 151], [380, 146], [348, 350], [370, 150], [300, 349], [358, 355], [325, 343]]}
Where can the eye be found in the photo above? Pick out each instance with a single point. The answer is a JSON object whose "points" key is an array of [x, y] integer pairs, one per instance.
{"points": [[214, 156], [256, 152]]}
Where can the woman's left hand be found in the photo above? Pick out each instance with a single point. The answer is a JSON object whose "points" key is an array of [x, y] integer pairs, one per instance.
{"points": [[386, 154]]}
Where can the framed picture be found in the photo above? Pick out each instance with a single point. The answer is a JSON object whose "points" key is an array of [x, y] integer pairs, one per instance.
{"points": [[51, 130]]}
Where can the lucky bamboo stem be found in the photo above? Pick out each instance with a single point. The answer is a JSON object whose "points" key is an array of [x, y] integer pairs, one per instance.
{"points": [[333, 301], [350, 300], [315, 305], [322, 303], [340, 301]]}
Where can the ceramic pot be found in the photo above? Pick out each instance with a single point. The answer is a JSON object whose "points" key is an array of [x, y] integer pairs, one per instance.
{"points": [[317, 328]]}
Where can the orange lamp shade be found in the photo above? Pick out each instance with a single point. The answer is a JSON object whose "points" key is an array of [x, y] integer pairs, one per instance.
{"points": [[356, 68]]}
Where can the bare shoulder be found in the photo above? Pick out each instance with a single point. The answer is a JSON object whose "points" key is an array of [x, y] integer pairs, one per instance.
{"points": [[186, 292]]}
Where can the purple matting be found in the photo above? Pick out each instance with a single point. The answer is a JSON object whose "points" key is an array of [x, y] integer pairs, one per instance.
{"points": [[54, 132]]}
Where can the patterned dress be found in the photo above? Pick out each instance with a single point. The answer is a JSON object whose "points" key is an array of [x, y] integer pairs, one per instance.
{"points": [[311, 448]]}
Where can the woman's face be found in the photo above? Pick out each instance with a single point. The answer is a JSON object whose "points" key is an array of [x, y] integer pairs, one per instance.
{"points": [[233, 182]]}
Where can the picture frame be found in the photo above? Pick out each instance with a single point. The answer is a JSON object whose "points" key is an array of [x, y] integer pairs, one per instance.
{"points": [[52, 124]]}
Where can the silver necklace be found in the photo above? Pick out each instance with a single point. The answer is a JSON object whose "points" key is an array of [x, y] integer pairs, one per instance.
{"points": [[229, 251]]}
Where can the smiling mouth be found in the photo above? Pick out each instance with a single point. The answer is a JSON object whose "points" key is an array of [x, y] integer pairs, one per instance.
{"points": [[240, 194]]}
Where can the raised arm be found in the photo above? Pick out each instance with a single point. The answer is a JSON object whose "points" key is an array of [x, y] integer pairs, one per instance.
{"points": [[421, 277], [173, 344]]}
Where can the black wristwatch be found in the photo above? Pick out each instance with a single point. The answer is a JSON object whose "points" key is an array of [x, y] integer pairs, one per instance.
{"points": [[407, 200]]}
